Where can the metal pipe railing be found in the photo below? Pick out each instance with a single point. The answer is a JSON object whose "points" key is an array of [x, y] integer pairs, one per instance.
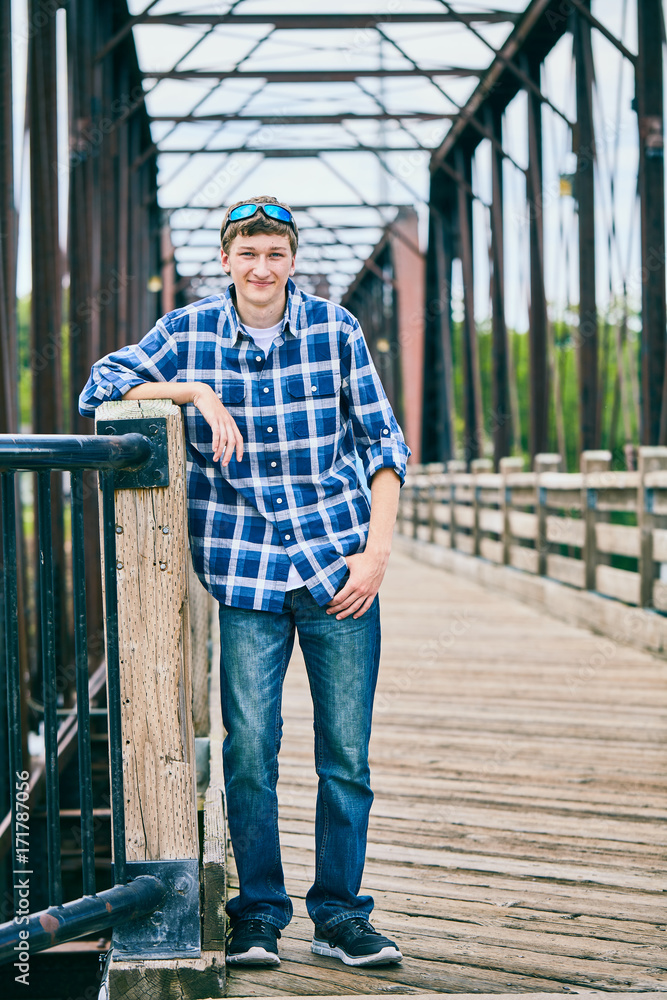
{"points": [[88, 915], [43, 454]]}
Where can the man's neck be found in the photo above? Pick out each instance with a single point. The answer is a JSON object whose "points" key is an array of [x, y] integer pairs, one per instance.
{"points": [[260, 318]]}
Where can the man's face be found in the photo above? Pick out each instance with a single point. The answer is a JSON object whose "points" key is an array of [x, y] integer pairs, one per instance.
{"points": [[259, 267]]}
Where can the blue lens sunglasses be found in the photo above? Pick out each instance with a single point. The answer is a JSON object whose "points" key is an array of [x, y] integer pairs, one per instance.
{"points": [[269, 210]]}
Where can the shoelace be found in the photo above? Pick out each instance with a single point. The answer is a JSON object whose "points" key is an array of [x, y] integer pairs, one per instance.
{"points": [[361, 925], [254, 925]]}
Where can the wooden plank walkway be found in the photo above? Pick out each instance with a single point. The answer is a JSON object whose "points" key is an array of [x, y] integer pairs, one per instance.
{"points": [[517, 837]]}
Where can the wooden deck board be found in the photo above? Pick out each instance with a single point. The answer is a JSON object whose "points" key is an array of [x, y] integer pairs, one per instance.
{"points": [[516, 843]]}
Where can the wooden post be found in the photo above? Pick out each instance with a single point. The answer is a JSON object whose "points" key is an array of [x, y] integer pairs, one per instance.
{"points": [[154, 644], [651, 459], [543, 463], [591, 461], [476, 466], [454, 466], [506, 466]]}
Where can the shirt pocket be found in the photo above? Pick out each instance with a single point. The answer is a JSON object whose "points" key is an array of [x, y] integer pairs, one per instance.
{"points": [[314, 403], [232, 392]]}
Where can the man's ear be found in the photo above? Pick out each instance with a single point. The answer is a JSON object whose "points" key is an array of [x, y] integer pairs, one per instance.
{"points": [[226, 266], [293, 267]]}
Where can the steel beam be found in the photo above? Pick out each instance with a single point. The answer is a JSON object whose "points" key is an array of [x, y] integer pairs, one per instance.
{"points": [[589, 417], [472, 396], [273, 153], [46, 316], [535, 28], [649, 90], [311, 76], [500, 384], [378, 116], [8, 235], [327, 21], [539, 360], [438, 436]]}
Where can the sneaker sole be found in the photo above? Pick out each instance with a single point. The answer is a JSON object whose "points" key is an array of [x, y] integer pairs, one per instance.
{"points": [[384, 956], [254, 956]]}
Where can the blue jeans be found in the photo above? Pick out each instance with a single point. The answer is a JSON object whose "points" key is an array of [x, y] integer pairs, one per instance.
{"points": [[342, 662]]}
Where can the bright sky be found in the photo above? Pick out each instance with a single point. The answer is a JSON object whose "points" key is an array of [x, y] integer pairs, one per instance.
{"points": [[205, 181]]}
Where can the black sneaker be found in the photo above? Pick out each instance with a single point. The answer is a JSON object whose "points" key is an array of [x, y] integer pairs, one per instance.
{"points": [[253, 942], [355, 942]]}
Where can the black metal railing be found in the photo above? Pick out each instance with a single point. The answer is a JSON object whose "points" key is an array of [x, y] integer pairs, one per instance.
{"points": [[43, 454]]}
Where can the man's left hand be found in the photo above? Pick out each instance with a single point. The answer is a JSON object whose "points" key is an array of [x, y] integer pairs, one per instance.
{"points": [[367, 570]]}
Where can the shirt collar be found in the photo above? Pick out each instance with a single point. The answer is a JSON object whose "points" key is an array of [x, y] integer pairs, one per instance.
{"points": [[294, 318]]}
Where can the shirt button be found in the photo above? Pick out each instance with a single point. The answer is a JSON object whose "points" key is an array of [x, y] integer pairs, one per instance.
{"points": [[267, 389], [269, 429], [273, 465], [313, 388], [287, 538], [278, 500], [258, 358], [385, 431]]}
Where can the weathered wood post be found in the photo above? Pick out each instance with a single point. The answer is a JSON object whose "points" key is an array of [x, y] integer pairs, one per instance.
{"points": [[158, 741], [591, 461], [651, 459], [453, 466], [545, 462], [507, 465], [476, 466]]}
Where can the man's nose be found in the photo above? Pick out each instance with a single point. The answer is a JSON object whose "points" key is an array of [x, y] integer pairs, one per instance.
{"points": [[261, 265]]}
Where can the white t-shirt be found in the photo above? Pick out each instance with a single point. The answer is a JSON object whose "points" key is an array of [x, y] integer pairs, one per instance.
{"points": [[263, 339]]}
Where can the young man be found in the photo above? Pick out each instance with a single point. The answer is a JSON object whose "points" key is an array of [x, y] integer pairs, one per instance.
{"points": [[280, 395]]}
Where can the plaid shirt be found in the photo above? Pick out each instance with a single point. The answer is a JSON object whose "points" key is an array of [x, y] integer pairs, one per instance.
{"points": [[304, 410]]}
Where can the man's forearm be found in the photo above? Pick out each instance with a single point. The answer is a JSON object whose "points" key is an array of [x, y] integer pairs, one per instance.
{"points": [[180, 392], [385, 488]]}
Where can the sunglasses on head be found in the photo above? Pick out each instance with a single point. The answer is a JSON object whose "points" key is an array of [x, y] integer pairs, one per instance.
{"points": [[269, 210]]}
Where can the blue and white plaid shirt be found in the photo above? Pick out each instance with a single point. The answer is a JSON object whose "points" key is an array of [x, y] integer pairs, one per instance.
{"points": [[304, 410]]}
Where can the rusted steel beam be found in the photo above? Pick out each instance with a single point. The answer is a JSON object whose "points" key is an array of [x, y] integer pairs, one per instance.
{"points": [[438, 438], [327, 21], [540, 26], [312, 76], [46, 303], [378, 116], [539, 361], [589, 415], [500, 380], [273, 153], [472, 396], [583, 7], [8, 236], [649, 90]]}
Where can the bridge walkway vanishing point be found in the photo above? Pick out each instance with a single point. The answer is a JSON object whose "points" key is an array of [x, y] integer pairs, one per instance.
{"points": [[516, 841]]}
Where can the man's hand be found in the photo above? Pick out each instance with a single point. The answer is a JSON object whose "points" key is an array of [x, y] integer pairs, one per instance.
{"points": [[367, 570], [226, 435]]}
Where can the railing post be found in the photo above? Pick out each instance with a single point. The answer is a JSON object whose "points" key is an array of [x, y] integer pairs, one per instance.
{"points": [[544, 462], [476, 466], [453, 466], [158, 740], [507, 465], [651, 459], [591, 461]]}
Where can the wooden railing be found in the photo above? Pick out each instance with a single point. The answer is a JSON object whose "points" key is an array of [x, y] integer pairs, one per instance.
{"points": [[171, 817], [599, 529]]}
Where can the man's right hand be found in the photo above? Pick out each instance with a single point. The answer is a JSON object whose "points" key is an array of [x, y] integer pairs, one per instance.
{"points": [[226, 436]]}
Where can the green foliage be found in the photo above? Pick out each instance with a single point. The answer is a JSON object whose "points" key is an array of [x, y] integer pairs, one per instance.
{"points": [[565, 368]]}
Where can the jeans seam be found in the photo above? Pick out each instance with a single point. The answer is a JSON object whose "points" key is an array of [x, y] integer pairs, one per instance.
{"points": [[325, 808], [274, 782]]}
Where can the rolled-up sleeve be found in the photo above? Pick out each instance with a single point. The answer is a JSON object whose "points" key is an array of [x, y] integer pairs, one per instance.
{"points": [[379, 440], [153, 359]]}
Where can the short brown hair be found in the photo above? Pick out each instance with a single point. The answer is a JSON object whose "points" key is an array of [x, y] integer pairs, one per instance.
{"points": [[258, 224]]}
